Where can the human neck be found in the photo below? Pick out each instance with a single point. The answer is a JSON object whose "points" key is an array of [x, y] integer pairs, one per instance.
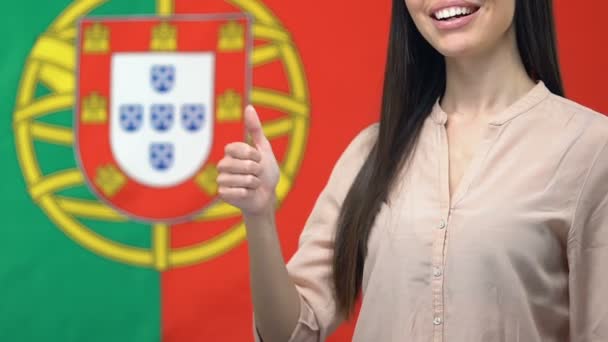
{"points": [[479, 87]]}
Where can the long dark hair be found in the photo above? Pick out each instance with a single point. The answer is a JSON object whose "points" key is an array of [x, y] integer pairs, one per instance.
{"points": [[414, 79]]}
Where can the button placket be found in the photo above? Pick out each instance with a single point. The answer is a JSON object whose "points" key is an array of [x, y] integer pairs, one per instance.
{"points": [[437, 278], [439, 239]]}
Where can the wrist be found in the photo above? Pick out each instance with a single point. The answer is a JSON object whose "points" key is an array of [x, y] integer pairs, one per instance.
{"points": [[260, 226], [264, 215]]}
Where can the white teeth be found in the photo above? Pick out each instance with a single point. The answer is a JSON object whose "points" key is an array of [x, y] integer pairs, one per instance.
{"points": [[451, 12]]}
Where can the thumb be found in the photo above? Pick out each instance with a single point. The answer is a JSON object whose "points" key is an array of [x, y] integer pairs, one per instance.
{"points": [[254, 127]]}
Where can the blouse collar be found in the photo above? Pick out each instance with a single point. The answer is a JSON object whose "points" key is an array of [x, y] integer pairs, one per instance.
{"points": [[525, 103]]}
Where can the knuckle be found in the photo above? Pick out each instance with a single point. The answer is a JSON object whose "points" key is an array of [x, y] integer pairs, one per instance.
{"points": [[251, 166], [228, 148], [258, 169], [221, 166], [233, 149], [252, 153]]}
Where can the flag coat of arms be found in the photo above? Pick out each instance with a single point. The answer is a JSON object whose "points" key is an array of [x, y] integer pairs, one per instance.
{"points": [[157, 100]]}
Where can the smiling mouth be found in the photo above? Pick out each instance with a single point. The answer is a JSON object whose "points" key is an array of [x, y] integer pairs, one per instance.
{"points": [[455, 12]]}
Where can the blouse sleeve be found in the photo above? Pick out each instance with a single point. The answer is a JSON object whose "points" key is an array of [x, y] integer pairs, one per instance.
{"points": [[311, 265], [588, 256]]}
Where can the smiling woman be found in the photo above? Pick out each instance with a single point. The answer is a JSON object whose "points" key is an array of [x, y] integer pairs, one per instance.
{"points": [[452, 216]]}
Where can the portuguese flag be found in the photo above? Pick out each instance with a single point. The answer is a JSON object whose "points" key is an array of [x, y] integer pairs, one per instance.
{"points": [[100, 97]]}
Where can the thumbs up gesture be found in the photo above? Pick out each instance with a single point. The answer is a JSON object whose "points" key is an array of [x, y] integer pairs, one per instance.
{"points": [[248, 175]]}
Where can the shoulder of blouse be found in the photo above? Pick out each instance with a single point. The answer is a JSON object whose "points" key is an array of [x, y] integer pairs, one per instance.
{"points": [[358, 149], [596, 122]]}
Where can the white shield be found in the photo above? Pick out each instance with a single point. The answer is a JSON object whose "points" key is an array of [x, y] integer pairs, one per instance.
{"points": [[161, 115]]}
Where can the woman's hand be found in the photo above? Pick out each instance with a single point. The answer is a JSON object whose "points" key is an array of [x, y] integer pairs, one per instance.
{"points": [[248, 175]]}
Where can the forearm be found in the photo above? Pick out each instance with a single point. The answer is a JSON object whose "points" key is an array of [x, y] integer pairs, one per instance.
{"points": [[275, 298]]}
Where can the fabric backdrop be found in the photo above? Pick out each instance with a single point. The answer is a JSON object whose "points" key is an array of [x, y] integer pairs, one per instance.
{"points": [[72, 268]]}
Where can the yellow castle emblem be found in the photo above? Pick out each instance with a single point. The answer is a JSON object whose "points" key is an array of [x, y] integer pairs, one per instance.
{"points": [[230, 105], [164, 37], [232, 37], [96, 39], [94, 109]]}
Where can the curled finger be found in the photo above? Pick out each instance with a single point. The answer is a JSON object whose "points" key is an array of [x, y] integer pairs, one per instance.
{"points": [[244, 167], [243, 151], [248, 181]]}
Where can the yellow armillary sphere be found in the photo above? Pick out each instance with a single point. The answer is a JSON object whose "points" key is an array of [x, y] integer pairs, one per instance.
{"points": [[52, 62]]}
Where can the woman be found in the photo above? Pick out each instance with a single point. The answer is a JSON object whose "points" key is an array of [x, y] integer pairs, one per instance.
{"points": [[503, 236]]}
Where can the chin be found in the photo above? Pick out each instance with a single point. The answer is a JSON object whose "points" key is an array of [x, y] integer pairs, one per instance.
{"points": [[456, 50]]}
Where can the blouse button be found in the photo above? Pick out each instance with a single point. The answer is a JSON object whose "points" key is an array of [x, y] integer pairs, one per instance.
{"points": [[437, 272], [441, 224], [437, 320]]}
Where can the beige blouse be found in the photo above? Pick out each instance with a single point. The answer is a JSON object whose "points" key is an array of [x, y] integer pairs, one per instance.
{"points": [[521, 253]]}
